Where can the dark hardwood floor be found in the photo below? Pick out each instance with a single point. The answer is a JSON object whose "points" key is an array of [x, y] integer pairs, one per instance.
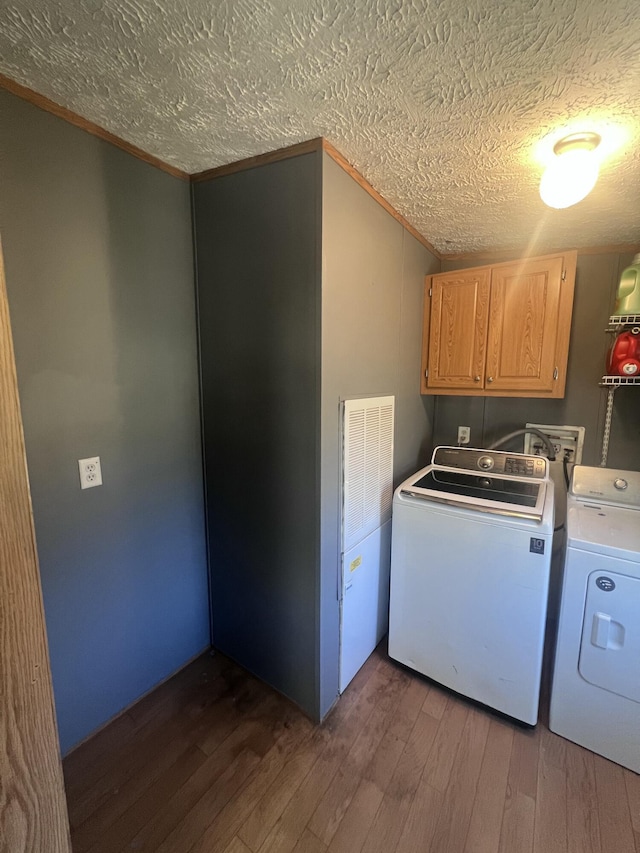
{"points": [[215, 762]]}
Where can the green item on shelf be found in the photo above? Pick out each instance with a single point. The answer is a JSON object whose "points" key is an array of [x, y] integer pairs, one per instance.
{"points": [[628, 295]]}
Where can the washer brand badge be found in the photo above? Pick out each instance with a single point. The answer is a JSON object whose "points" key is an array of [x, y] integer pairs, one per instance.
{"points": [[536, 546], [605, 584]]}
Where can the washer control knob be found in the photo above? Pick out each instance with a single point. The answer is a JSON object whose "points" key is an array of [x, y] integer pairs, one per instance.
{"points": [[620, 484], [486, 463]]}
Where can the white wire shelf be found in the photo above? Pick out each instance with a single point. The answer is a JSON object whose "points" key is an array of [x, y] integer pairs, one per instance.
{"points": [[624, 320], [618, 381]]}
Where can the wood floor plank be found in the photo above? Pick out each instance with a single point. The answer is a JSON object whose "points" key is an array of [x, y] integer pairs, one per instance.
{"points": [[392, 814], [144, 749], [166, 698], [457, 805], [127, 793], [422, 819], [304, 802], [280, 793], [616, 831], [445, 747], [261, 731], [189, 830], [356, 822], [232, 705], [191, 683], [153, 801], [409, 707], [333, 805], [384, 761], [89, 756], [435, 702], [550, 830], [276, 798], [235, 846], [418, 749], [234, 815], [486, 818], [528, 759], [221, 768], [118, 834], [583, 824], [192, 689], [632, 783], [309, 843], [386, 756], [279, 819], [516, 832], [254, 734], [291, 824]]}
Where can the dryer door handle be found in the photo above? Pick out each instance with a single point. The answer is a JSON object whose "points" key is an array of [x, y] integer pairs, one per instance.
{"points": [[606, 633], [600, 630]]}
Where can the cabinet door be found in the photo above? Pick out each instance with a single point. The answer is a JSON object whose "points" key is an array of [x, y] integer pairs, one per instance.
{"points": [[523, 326], [459, 314]]}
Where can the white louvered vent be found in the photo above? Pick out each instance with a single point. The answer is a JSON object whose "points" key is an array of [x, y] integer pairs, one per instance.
{"points": [[367, 467]]}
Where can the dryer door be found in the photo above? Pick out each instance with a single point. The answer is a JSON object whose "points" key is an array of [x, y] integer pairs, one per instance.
{"points": [[610, 648]]}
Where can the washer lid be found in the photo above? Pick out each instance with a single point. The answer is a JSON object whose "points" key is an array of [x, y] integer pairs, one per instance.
{"points": [[508, 496], [604, 529]]}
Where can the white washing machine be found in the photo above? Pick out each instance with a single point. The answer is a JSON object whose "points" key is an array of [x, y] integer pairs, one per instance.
{"points": [[470, 560], [595, 694]]}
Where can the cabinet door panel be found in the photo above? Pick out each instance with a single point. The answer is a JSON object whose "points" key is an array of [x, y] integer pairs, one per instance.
{"points": [[523, 326], [459, 314]]}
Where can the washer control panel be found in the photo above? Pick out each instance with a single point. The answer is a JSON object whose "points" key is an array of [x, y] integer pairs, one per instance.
{"points": [[496, 461]]}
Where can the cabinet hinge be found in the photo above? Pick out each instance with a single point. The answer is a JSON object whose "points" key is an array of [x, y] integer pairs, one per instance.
{"points": [[555, 373], [564, 275]]}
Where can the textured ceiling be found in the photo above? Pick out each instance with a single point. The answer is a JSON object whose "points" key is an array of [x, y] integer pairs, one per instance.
{"points": [[440, 104]]}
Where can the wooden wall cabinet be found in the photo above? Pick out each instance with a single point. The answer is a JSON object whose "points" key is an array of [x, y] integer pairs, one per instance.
{"points": [[500, 330]]}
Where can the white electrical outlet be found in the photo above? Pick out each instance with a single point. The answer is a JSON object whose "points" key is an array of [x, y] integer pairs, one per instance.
{"points": [[464, 434], [90, 472], [567, 442]]}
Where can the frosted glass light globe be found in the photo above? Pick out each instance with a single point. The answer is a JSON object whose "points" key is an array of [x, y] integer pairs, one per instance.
{"points": [[569, 178]]}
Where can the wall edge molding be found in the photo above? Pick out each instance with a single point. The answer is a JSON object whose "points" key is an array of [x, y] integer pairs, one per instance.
{"points": [[338, 158], [490, 254], [49, 106], [297, 150]]}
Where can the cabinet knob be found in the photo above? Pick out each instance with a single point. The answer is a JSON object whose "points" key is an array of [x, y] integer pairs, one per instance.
{"points": [[489, 378], [476, 379]]}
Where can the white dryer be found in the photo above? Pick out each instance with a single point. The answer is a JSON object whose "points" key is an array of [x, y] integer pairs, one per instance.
{"points": [[595, 694]]}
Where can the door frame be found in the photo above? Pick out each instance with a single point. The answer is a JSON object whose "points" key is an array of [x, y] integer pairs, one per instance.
{"points": [[32, 798]]}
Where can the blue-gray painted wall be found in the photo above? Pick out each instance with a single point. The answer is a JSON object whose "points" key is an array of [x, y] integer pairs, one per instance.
{"points": [[257, 238], [98, 256]]}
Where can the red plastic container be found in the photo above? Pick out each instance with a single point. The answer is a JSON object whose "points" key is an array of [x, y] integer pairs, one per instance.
{"points": [[624, 355]]}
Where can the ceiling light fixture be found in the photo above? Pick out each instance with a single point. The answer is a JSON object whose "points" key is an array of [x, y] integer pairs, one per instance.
{"points": [[573, 172]]}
